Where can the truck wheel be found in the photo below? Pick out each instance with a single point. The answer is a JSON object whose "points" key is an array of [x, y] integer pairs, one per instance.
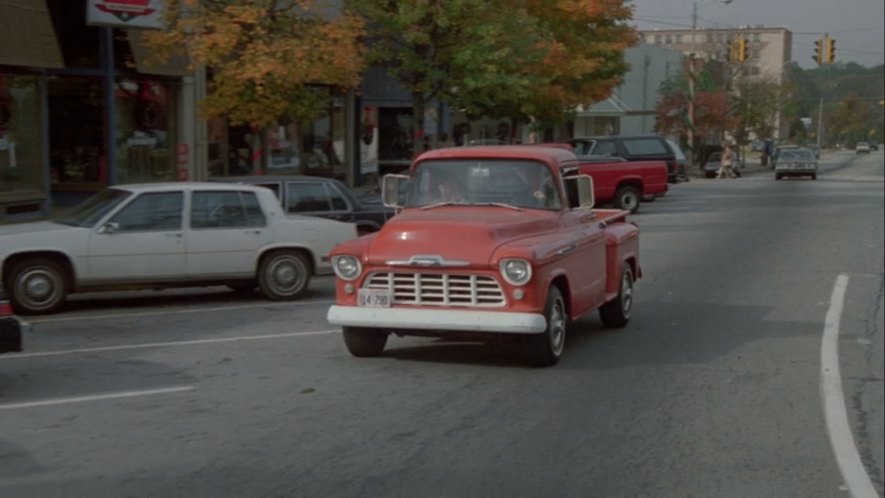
{"points": [[364, 342], [37, 286], [777, 176], [814, 176], [628, 199], [283, 276], [616, 313], [545, 349]]}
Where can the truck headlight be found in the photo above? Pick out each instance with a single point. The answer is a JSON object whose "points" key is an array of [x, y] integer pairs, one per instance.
{"points": [[515, 271], [346, 267]]}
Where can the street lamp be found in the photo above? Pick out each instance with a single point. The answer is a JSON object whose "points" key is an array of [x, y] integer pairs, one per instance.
{"points": [[691, 57]]}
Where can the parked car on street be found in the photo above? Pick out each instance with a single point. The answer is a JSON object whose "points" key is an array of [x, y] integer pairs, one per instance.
{"points": [[631, 148], [625, 184], [491, 242], [323, 197], [167, 235], [796, 162], [862, 148], [711, 167], [681, 160]]}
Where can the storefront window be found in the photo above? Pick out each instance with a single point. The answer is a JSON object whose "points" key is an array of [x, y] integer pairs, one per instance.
{"points": [[21, 144], [76, 133], [145, 132], [396, 128], [314, 147]]}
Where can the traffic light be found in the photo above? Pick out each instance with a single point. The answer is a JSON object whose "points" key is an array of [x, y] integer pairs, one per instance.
{"points": [[818, 52], [831, 50], [731, 55], [741, 49]]}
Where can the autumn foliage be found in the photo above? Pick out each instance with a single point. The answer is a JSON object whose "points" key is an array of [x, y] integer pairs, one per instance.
{"points": [[269, 60]]}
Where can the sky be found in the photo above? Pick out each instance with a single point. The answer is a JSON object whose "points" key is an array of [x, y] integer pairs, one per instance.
{"points": [[858, 26]]}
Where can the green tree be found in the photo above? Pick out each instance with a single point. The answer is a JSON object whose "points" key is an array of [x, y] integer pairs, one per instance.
{"points": [[499, 58]]}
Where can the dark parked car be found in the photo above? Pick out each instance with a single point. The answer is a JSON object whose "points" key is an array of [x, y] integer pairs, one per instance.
{"points": [[323, 197], [632, 148], [712, 165]]}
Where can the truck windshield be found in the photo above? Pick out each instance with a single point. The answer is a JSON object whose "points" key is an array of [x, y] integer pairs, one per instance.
{"points": [[524, 184], [90, 211]]}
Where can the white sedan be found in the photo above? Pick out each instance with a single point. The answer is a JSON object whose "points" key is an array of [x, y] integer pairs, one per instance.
{"points": [[167, 235]]}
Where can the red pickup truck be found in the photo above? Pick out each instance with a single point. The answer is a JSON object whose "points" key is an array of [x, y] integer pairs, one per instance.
{"points": [[490, 242], [626, 183]]}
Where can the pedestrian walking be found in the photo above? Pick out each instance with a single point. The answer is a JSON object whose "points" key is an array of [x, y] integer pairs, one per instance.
{"points": [[726, 169]]}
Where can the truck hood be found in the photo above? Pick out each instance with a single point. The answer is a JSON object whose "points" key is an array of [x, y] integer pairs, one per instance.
{"points": [[456, 233]]}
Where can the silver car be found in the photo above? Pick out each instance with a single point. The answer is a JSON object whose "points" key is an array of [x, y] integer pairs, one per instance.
{"points": [[796, 162]]}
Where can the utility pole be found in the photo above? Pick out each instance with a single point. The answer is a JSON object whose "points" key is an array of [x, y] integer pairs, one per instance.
{"points": [[820, 122], [691, 58]]}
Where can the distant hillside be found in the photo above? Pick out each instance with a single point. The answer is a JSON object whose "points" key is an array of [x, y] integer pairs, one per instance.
{"points": [[852, 94]]}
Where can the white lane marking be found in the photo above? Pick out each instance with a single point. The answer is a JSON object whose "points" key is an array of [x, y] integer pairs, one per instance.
{"points": [[176, 312], [94, 397], [167, 344], [835, 413]]}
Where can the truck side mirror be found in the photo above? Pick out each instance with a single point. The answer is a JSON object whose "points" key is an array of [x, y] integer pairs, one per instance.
{"points": [[579, 190], [391, 187]]}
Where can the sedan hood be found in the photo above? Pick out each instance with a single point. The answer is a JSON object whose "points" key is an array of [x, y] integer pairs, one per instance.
{"points": [[34, 227], [456, 233]]}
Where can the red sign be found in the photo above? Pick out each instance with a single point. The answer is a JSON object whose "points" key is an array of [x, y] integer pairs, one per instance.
{"points": [[183, 160], [129, 13]]}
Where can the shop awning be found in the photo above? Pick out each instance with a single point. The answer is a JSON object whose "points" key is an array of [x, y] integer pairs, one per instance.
{"points": [[175, 65], [27, 37]]}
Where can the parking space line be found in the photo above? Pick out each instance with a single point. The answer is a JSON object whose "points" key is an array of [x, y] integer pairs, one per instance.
{"points": [[835, 413], [176, 312], [194, 342], [94, 397]]}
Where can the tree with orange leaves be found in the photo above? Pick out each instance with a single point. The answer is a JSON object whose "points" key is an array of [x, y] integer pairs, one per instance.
{"points": [[270, 60]]}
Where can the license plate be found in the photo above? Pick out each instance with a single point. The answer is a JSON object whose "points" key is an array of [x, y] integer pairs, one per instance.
{"points": [[374, 298]]}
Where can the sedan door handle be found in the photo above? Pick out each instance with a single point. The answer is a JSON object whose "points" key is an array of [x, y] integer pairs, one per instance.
{"points": [[253, 232], [176, 235]]}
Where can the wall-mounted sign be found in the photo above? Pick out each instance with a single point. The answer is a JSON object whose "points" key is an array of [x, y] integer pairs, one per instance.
{"points": [[125, 13]]}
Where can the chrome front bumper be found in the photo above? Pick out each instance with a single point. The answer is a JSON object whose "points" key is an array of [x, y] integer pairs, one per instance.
{"points": [[438, 319]]}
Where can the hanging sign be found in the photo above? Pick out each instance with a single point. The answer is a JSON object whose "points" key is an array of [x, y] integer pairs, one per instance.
{"points": [[125, 13]]}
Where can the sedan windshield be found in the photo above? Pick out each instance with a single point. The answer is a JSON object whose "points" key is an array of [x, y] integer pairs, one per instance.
{"points": [[90, 211], [797, 155], [517, 183]]}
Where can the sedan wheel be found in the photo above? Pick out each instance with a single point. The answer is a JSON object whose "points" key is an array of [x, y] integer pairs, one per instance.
{"points": [[38, 286], [284, 276]]}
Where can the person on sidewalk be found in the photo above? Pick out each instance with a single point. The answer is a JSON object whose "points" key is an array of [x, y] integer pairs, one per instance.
{"points": [[726, 168]]}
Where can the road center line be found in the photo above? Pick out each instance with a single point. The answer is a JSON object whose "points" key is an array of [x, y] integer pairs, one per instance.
{"points": [[94, 397], [194, 342], [174, 312], [835, 413]]}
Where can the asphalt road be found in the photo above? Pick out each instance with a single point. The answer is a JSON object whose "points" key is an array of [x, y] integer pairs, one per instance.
{"points": [[714, 389]]}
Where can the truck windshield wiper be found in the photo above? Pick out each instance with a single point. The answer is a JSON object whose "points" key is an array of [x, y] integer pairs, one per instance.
{"points": [[454, 203], [499, 204], [440, 204]]}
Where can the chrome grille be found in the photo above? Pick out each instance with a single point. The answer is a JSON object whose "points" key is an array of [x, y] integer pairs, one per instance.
{"points": [[439, 289]]}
